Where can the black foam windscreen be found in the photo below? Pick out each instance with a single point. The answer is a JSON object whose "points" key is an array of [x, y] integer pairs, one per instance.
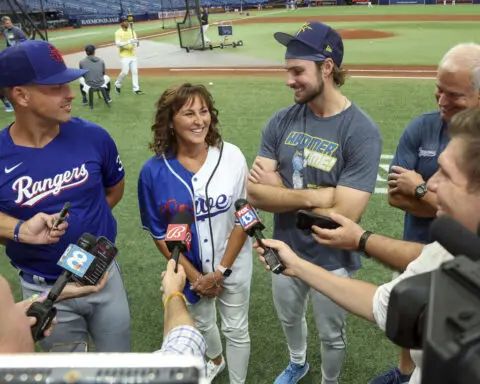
{"points": [[182, 217]]}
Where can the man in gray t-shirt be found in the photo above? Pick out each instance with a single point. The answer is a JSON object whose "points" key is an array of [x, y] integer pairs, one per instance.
{"points": [[321, 154], [96, 76]]}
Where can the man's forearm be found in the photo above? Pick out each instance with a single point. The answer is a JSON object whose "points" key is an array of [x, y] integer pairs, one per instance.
{"points": [[7, 227], [426, 207], [394, 253], [278, 199], [355, 296], [176, 314]]}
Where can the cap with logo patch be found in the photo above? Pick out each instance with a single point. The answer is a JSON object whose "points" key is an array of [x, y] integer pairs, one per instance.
{"points": [[313, 41], [35, 62]]}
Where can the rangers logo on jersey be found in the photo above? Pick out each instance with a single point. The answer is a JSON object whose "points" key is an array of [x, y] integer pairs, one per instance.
{"points": [[30, 192]]}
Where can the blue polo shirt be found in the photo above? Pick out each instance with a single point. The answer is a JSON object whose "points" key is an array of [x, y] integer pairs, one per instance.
{"points": [[418, 149]]}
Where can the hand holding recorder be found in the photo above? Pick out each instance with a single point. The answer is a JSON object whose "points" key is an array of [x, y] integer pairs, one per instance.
{"points": [[42, 229], [336, 231]]}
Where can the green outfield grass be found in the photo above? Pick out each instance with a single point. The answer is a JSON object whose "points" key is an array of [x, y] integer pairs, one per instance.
{"points": [[414, 43], [391, 103]]}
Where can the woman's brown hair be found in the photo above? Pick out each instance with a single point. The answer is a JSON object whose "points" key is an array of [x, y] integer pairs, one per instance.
{"points": [[171, 101]]}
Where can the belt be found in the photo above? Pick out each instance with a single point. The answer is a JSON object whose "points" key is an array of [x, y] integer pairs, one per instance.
{"points": [[35, 279]]}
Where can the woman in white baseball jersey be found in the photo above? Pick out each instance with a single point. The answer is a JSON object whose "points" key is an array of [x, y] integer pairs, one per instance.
{"points": [[193, 170]]}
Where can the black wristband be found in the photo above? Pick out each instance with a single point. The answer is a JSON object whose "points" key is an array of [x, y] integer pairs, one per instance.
{"points": [[363, 242]]}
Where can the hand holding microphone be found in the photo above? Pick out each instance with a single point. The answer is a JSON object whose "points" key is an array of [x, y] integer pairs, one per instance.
{"points": [[289, 259], [76, 260], [173, 281], [178, 239], [252, 225]]}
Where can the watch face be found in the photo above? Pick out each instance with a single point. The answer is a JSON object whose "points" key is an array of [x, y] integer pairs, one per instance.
{"points": [[227, 272], [421, 190]]}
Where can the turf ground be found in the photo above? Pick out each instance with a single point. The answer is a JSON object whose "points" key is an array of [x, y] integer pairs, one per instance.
{"points": [[245, 104]]}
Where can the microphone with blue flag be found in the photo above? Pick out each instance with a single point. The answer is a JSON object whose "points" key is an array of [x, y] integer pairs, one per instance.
{"points": [[76, 260]]}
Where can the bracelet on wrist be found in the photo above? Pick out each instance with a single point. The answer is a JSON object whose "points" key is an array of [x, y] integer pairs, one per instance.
{"points": [[17, 230], [362, 244], [170, 295]]}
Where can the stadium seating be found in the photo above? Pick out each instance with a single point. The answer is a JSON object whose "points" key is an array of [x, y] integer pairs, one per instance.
{"points": [[108, 8]]}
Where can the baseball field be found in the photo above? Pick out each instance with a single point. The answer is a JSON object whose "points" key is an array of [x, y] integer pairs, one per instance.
{"points": [[391, 52]]}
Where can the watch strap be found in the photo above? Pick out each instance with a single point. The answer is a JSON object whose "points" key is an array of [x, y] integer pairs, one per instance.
{"points": [[362, 244], [420, 191]]}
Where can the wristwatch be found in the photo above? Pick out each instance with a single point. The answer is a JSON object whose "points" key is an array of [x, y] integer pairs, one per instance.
{"points": [[225, 271], [421, 191]]}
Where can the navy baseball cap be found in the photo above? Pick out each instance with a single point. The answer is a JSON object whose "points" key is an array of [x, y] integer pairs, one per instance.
{"points": [[313, 41], [35, 62], [90, 48], [123, 18]]}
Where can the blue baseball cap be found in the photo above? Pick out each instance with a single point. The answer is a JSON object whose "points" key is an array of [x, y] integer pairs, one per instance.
{"points": [[313, 41], [123, 18], [35, 62]]}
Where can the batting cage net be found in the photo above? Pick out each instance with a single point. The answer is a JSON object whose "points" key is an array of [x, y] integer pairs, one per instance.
{"points": [[190, 29]]}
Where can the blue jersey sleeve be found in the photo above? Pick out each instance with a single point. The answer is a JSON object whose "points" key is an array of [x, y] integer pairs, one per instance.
{"points": [[149, 212], [112, 166], [406, 155]]}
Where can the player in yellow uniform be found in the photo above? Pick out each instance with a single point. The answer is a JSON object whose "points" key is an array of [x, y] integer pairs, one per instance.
{"points": [[126, 41]]}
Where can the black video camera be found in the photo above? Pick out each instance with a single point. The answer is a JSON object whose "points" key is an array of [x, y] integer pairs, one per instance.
{"points": [[439, 311]]}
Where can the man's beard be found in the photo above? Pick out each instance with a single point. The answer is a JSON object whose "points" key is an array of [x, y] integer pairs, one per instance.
{"points": [[312, 94]]}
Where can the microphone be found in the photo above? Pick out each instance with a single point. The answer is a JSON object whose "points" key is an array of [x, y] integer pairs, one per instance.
{"points": [[104, 252], [455, 238], [179, 238], [253, 226], [75, 260]]}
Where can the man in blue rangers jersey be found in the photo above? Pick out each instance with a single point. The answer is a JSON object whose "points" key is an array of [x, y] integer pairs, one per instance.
{"points": [[46, 159]]}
